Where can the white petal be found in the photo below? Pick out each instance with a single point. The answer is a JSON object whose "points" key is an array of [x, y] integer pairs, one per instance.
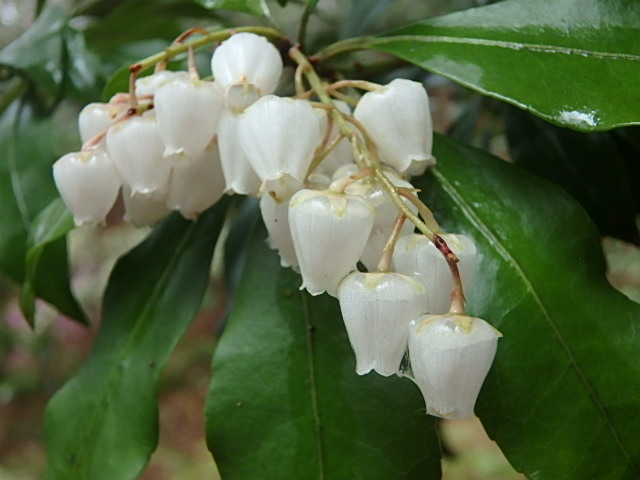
{"points": [[147, 86], [377, 309], [197, 184], [238, 172], [88, 183], [416, 255], [187, 113], [142, 210], [399, 122], [329, 231], [247, 58], [95, 118], [450, 357], [279, 136], [135, 147], [274, 206]]}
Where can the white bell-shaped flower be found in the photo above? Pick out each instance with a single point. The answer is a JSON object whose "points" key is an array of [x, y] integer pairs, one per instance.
{"points": [[398, 120], [386, 216], [450, 357], [246, 67], [135, 147], [95, 118], [88, 183], [377, 308], [416, 255], [196, 184], [329, 232], [279, 136], [187, 112], [147, 86], [142, 210], [238, 172], [274, 206]]}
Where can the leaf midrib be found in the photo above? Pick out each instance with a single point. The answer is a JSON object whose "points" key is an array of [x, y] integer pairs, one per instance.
{"points": [[470, 213], [510, 45]]}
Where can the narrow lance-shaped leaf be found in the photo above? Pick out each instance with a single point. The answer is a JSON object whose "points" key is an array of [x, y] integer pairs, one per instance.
{"points": [[563, 396], [26, 182], [569, 62], [47, 268], [285, 401], [103, 423]]}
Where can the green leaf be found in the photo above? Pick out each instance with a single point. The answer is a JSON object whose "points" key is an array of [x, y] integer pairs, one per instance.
{"points": [[252, 7], [26, 182], [47, 269], [563, 396], [285, 401], [82, 67], [587, 165], [569, 62], [38, 53], [103, 424]]}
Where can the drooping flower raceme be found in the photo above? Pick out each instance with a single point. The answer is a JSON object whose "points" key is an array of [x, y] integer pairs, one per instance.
{"points": [[450, 357]]}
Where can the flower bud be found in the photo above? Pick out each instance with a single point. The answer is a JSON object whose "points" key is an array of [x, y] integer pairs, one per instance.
{"points": [[450, 357], [88, 183], [329, 232], [416, 255], [398, 120], [377, 308]]}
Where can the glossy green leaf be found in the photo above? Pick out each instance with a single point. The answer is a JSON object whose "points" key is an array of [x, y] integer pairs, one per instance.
{"points": [[103, 424], [27, 152], [252, 7], [587, 165], [82, 67], [47, 268], [285, 401], [38, 53], [563, 396], [569, 62]]}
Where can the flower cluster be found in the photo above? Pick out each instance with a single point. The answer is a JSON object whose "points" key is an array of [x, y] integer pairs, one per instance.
{"points": [[333, 177]]}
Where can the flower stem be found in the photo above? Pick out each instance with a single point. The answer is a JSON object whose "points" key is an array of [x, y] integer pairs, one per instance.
{"points": [[365, 159], [384, 264]]}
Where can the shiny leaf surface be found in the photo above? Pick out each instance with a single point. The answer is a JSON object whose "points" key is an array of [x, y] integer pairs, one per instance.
{"points": [[587, 165], [569, 62], [285, 401], [563, 394], [103, 423]]}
